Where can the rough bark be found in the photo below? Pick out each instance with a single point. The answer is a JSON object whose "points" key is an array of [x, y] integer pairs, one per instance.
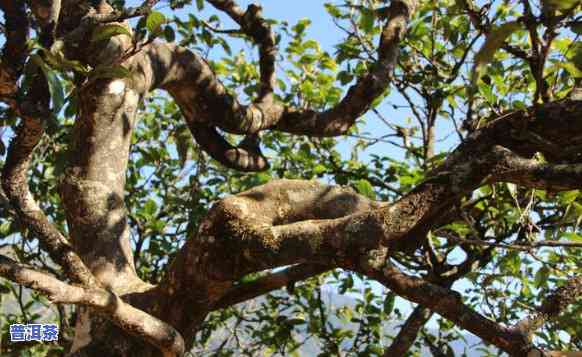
{"points": [[303, 224], [408, 332], [14, 51]]}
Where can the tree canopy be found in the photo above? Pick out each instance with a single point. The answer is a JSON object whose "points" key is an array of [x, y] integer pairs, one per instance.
{"points": [[204, 178]]}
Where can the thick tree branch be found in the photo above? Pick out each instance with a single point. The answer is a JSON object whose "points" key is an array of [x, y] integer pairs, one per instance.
{"points": [[408, 332], [266, 284], [132, 320], [449, 304], [93, 186], [242, 158], [267, 226], [287, 222], [267, 235], [521, 247], [15, 186], [254, 25], [535, 174], [443, 275], [15, 50], [204, 101]]}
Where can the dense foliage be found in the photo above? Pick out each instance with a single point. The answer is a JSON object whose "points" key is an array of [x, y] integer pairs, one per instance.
{"points": [[461, 66]]}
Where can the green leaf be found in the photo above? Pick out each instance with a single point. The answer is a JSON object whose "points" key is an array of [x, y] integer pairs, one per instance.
{"points": [[568, 197], [249, 278], [493, 42], [375, 350], [296, 322], [5, 289], [73, 105], [576, 55], [574, 237], [56, 89], [576, 28], [564, 4], [332, 10], [541, 276], [389, 302], [570, 68], [347, 284], [301, 25], [319, 169], [183, 141], [154, 22], [169, 34], [512, 188], [345, 77], [110, 72], [263, 178], [56, 59], [150, 208], [5, 229], [107, 31], [365, 188], [367, 20]]}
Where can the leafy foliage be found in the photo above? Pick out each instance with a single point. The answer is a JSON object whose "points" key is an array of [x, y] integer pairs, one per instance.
{"points": [[171, 183]]}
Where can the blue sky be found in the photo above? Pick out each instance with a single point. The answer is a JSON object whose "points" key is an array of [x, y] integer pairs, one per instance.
{"points": [[323, 30], [327, 34]]}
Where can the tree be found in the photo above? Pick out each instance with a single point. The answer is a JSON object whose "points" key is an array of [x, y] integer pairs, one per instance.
{"points": [[156, 244]]}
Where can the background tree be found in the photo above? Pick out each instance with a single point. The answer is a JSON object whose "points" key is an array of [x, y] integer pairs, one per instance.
{"points": [[156, 239]]}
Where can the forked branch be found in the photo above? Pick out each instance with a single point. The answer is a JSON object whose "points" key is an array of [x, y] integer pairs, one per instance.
{"points": [[130, 319]]}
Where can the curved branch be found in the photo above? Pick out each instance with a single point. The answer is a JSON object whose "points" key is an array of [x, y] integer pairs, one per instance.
{"points": [[242, 158], [409, 331], [15, 185], [535, 174], [449, 304], [205, 102], [203, 99], [266, 284], [130, 319], [358, 100], [267, 237], [268, 227], [445, 276], [254, 25], [289, 221], [14, 51]]}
